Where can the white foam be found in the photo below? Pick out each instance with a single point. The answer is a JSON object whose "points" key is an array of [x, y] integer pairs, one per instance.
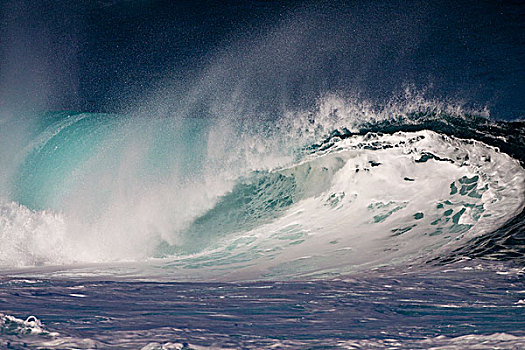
{"points": [[30, 326], [369, 215], [30, 238]]}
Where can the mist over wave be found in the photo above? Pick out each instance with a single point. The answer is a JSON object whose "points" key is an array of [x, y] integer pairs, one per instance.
{"points": [[319, 143]]}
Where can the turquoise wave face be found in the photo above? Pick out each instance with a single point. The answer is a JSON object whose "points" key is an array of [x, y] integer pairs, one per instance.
{"points": [[254, 201], [302, 197], [69, 148], [63, 145]]}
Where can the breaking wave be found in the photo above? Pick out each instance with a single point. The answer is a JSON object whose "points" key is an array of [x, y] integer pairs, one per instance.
{"points": [[314, 194]]}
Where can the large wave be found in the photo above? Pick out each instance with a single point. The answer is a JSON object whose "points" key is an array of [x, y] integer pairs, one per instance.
{"points": [[317, 193]]}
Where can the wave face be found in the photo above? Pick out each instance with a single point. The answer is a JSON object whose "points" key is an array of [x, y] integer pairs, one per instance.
{"points": [[316, 194]]}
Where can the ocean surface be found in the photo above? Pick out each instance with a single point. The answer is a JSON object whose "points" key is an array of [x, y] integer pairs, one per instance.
{"points": [[281, 175]]}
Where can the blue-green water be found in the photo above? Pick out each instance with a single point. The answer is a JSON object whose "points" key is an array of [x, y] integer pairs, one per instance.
{"points": [[381, 236]]}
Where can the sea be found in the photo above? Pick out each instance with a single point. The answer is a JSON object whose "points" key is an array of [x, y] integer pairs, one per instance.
{"points": [[262, 174]]}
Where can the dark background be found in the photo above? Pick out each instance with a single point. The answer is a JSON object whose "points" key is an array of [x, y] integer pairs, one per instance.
{"points": [[105, 56]]}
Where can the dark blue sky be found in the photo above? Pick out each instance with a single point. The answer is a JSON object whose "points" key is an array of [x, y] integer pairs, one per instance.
{"points": [[102, 56]]}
